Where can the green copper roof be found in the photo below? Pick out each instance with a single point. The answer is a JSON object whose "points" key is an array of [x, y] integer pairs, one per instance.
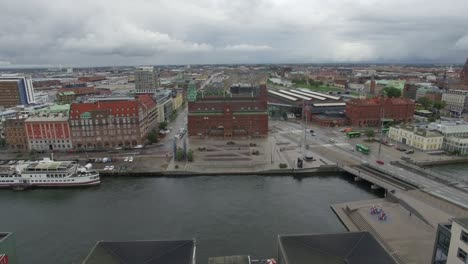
{"points": [[192, 92]]}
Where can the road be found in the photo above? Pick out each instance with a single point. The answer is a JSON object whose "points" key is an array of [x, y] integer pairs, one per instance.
{"points": [[342, 152]]}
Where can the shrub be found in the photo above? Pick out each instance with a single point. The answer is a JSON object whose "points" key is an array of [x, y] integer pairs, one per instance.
{"points": [[190, 155]]}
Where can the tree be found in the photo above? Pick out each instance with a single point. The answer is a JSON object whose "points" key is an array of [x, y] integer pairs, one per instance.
{"points": [[179, 154], [190, 155], [425, 102], [163, 125], [153, 136], [439, 105], [391, 92], [2, 142], [370, 133]]}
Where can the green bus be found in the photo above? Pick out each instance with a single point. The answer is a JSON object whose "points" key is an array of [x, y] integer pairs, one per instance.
{"points": [[353, 134], [385, 130], [362, 148]]}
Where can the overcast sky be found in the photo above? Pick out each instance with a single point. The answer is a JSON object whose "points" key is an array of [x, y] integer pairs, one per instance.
{"points": [[138, 32]]}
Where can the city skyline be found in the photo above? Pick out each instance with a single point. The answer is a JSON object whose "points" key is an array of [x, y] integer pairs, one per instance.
{"points": [[106, 33]]}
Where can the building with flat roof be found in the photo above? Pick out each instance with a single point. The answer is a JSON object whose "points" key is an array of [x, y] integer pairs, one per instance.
{"points": [[422, 139], [456, 101], [110, 122], [16, 90], [145, 79], [8, 248], [48, 131], [228, 114], [351, 248], [451, 244], [148, 252], [464, 73], [370, 112], [15, 133]]}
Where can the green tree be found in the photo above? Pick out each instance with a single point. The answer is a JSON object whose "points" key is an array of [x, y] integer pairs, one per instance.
{"points": [[153, 136], [190, 155], [439, 105], [425, 102], [179, 154], [2, 142], [391, 92], [163, 125], [370, 133]]}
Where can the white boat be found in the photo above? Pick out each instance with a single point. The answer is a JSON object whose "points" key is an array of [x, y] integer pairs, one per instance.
{"points": [[48, 173]]}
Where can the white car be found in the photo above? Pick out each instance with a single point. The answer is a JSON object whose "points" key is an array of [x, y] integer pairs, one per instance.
{"points": [[106, 168], [111, 167], [130, 159], [126, 159]]}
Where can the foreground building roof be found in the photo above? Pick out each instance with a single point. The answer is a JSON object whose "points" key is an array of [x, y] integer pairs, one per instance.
{"points": [[341, 248], [148, 252]]}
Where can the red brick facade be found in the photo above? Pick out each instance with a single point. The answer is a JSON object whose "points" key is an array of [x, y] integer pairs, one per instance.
{"points": [[367, 112], [464, 73], [229, 116], [112, 123], [48, 132], [15, 134]]}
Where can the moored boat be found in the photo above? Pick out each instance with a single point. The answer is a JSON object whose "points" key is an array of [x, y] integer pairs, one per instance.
{"points": [[48, 173]]}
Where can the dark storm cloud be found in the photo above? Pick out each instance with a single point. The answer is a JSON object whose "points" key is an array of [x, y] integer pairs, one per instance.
{"points": [[105, 32]]}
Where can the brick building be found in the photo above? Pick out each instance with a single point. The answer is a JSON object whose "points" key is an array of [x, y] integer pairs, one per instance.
{"points": [[234, 113], [112, 122], [15, 133], [15, 90], [48, 131], [368, 112], [464, 73]]}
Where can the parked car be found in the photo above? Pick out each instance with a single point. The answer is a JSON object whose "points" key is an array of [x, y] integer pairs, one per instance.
{"points": [[381, 162], [332, 140], [106, 168], [111, 167], [409, 151], [130, 159], [126, 159], [402, 149]]}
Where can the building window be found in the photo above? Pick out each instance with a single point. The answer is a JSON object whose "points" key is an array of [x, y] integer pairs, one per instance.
{"points": [[462, 255], [464, 237]]}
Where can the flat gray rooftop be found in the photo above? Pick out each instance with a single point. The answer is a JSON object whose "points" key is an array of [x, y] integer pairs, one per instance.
{"points": [[229, 260]]}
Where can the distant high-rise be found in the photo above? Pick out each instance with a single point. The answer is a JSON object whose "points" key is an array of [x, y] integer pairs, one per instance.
{"points": [[145, 79], [16, 90]]}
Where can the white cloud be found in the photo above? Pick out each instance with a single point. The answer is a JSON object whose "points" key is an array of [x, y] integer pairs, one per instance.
{"points": [[247, 47], [462, 43], [222, 31]]}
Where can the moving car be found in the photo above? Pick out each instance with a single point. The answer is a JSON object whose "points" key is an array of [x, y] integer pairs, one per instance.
{"points": [[381, 162], [409, 151], [332, 140]]}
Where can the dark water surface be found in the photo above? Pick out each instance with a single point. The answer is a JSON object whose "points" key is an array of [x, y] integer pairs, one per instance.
{"points": [[227, 215]]}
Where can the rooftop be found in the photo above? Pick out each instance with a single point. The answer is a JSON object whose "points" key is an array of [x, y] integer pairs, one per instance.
{"points": [[229, 260], [148, 252], [461, 221], [3, 236], [340, 248]]}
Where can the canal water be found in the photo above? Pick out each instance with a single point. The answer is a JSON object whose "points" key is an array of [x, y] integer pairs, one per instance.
{"points": [[226, 215]]}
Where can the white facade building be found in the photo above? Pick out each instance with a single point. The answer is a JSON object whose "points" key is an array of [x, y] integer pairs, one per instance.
{"points": [[418, 138], [458, 249], [456, 101]]}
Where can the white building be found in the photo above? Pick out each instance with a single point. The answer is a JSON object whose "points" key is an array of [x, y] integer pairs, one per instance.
{"points": [[458, 248], [145, 78], [418, 138], [456, 101]]}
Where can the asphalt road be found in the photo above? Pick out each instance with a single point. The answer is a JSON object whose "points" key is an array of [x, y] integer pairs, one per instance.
{"points": [[342, 151]]}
